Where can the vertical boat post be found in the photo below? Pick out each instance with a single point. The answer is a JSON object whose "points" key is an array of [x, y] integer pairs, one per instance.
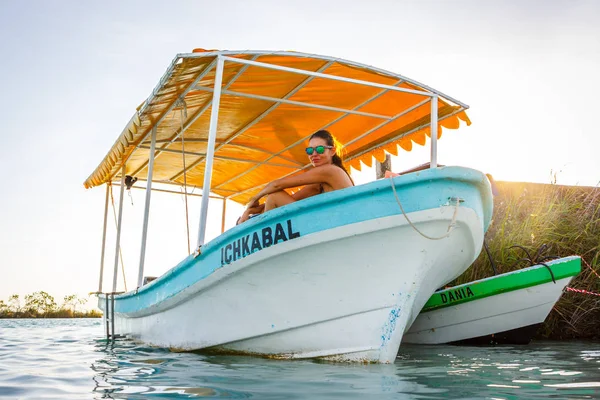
{"points": [[210, 150], [103, 238], [223, 212], [119, 220], [382, 167], [433, 128], [147, 207]]}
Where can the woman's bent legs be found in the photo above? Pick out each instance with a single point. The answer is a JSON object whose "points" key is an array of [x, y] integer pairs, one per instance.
{"points": [[274, 200], [278, 199]]}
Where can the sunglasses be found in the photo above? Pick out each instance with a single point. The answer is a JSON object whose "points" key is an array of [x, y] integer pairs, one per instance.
{"points": [[318, 149]]}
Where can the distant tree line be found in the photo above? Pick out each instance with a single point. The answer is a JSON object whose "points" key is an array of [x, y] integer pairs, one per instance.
{"points": [[42, 305]]}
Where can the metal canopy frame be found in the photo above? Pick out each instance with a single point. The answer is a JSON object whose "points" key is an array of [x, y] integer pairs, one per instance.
{"points": [[226, 55], [213, 146]]}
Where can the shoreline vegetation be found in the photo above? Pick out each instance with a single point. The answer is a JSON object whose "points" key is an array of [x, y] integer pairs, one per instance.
{"points": [[544, 219], [548, 220], [42, 305]]}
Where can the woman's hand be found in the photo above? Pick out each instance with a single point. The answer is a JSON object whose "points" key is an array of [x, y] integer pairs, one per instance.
{"points": [[252, 203], [253, 207]]}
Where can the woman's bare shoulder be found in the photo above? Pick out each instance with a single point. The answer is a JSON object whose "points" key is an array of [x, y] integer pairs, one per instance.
{"points": [[328, 169], [337, 178]]}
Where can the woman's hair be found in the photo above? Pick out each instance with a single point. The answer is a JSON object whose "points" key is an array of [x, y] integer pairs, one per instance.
{"points": [[331, 141]]}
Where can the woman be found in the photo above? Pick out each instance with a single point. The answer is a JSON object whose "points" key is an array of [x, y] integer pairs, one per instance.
{"points": [[327, 175]]}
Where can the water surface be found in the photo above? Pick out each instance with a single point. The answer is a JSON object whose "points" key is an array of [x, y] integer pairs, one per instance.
{"points": [[69, 359]]}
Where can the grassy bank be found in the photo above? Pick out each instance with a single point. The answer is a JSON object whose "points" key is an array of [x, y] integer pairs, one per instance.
{"points": [[567, 220], [42, 305]]}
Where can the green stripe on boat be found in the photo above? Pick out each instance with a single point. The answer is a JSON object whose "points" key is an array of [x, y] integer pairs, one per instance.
{"points": [[515, 280]]}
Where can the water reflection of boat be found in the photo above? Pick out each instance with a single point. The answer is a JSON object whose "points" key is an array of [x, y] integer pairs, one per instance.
{"points": [[319, 277], [502, 309]]}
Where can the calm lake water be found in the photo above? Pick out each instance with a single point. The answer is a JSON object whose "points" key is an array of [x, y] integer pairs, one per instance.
{"points": [[69, 359]]}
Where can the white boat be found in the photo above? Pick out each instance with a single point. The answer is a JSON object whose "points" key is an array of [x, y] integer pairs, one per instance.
{"points": [[316, 278], [502, 309]]}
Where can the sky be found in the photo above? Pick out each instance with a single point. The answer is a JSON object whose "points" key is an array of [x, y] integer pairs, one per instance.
{"points": [[73, 72]]}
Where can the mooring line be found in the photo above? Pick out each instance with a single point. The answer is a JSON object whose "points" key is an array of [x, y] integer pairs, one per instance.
{"points": [[582, 291], [451, 227], [589, 266]]}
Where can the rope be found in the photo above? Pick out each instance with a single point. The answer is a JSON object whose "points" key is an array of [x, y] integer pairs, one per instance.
{"points": [[451, 227], [116, 225], [592, 269], [183, 110], [538, 259], [489, 254], [570, 289], [583, 291]]}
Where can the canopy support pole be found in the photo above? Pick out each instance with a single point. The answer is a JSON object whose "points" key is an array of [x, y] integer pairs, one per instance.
{"points": [[382, 167], [210, 150], [147, 207], [104, 238], [223, 212], [433, 128], [119, 220]]}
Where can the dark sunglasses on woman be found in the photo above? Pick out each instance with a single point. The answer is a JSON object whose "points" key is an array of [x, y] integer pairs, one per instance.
{"points": [[318, 149]]}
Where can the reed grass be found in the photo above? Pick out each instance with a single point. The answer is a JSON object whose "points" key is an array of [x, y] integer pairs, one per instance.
{"points": [[567, 220]]}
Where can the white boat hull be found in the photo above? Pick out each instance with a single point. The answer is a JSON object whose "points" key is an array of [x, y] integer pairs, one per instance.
{"points": [[487, 316], [340, 294]]}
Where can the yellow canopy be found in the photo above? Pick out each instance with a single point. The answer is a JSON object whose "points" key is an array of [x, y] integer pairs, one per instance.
{"points": [[265, 118]]}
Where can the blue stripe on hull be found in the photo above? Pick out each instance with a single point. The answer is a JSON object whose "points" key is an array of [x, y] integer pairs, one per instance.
{"points": [[417, 191]]}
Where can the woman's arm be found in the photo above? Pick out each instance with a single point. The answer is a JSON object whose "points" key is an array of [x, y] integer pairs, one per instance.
{"points": [[316, 176], [307, 191]]}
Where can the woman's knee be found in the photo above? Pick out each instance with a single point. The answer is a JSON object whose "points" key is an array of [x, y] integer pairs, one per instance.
{"points": [[272, 200], [277, 199], [269, 202]]}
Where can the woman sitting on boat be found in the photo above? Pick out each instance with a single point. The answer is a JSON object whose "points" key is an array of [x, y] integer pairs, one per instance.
{"points": [[327, 175]]}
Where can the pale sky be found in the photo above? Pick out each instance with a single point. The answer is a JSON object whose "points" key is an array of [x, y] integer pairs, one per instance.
{"points": [[73, 72]]}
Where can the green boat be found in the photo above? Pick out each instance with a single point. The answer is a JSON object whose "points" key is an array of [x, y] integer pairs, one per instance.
{"points": [[503, 309]]}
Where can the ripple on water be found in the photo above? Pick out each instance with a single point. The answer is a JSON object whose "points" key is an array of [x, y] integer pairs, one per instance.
{"points": [[69, 359]]}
